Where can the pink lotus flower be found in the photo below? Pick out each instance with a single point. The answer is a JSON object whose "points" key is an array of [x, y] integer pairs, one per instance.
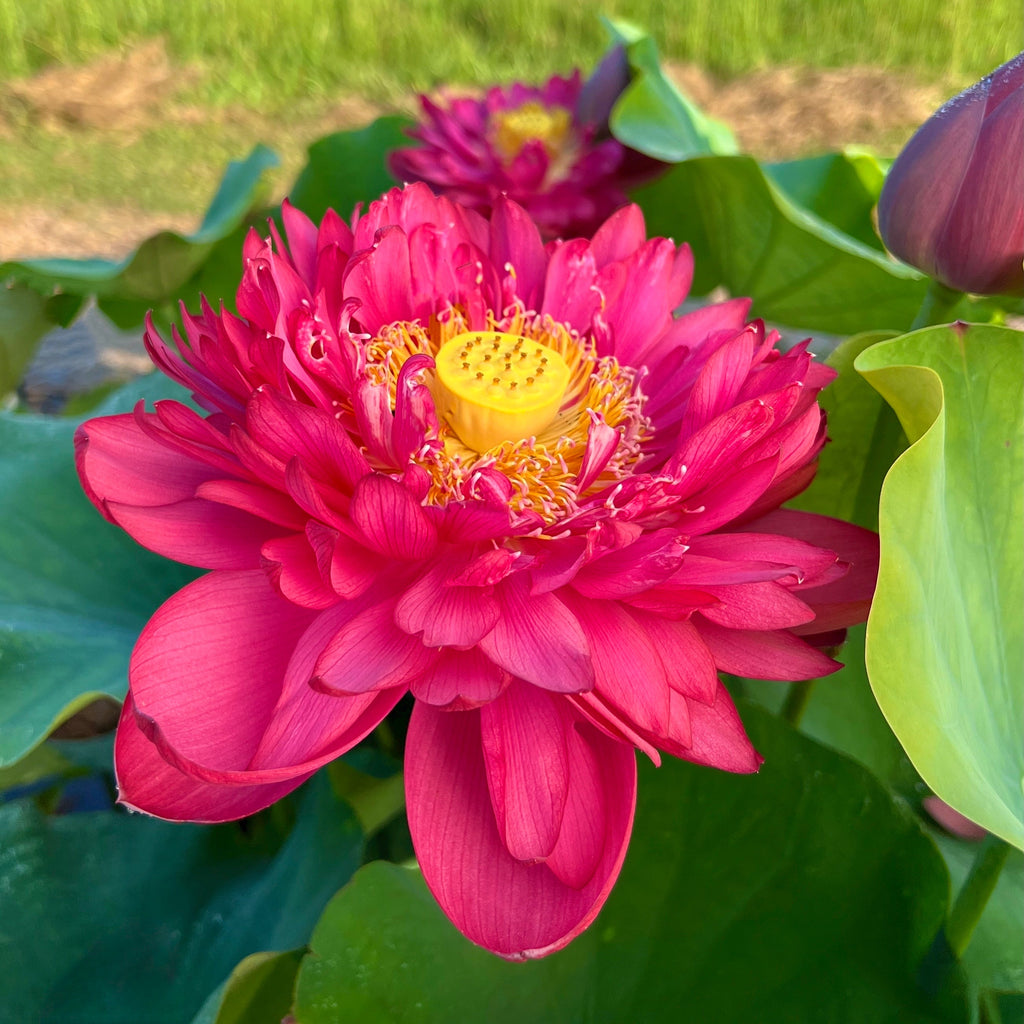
{"points": [[442, 458], [545, 148]]}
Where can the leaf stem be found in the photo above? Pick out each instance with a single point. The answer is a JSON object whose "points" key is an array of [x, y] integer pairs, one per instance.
{"points": [[974, 896], [797, 698], [939, 302]]}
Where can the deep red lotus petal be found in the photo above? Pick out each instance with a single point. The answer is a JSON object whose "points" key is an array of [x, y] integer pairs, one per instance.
{"points": [[763, 655], [516, 244], [628, 673], [580, 844], [649, 560], [306, 725], [460, 680], [369, 652], [718, 736], [118, 461], [686, 661], [523, 734], [764, 605], [621, 235], [514, 909], [445, 615], [198, 532], [569, 295], [262, 502], [390, 518], [291, 565], [288, 429], [538, 639], [220, 644], [844, 601], [381, 279], [148, 783]]}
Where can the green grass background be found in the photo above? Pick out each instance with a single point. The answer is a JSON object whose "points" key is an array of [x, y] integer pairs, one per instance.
{"points": [[267, 53], [260, 70]]}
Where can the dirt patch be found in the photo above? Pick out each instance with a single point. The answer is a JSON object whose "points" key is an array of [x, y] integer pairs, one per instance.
{"points": [[118, 91], [790, 111]]}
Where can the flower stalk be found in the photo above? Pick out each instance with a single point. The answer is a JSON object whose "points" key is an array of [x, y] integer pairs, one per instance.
{"points": [[974, 896], [939, 302]]}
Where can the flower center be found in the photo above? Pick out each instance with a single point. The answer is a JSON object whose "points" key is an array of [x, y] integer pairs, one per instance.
{"points": [[531, 122], [493, 387]]}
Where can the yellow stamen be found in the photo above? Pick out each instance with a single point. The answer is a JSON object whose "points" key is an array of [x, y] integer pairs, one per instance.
{"points": [[518, 403], [513, 129]]}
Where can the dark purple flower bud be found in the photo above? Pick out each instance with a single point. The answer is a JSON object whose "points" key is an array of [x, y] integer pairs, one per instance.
{"points": [[602, 89], [953, 203]]}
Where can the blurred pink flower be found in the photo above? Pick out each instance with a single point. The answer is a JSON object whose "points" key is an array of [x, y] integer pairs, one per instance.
{"points": [[546, 148], [953, 202], [440, 457]]}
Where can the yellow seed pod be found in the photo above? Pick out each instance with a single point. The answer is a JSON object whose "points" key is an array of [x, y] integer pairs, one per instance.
{"points": [[492, 387]]}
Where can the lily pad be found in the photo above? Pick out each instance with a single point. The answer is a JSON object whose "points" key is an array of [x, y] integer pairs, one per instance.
{"points": [[945, 641], [750, 236], [121, 919], [804, 893]]}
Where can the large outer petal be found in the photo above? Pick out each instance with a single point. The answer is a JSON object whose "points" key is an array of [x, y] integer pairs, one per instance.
{"points": [[149, 490], [148, 783], [516, 910], [209, 666]]}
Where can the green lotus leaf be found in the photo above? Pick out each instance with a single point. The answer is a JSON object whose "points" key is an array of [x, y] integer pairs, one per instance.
{"points": [[945, 639], [804, 893]]}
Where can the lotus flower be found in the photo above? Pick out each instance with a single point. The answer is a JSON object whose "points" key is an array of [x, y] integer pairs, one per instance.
{"points": [[953, 202], [546, 148], [439, 458]]}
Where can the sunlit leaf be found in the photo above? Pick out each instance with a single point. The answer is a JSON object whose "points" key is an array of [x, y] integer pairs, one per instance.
{"points": [[945, 637], [652, 116], [164, 263]]}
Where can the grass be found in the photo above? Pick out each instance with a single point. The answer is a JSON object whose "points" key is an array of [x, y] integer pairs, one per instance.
{"points": [[274, 72], [267, 55]]}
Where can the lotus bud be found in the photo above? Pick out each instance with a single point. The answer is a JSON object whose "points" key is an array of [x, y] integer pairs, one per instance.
{"points": [[953, 203]]}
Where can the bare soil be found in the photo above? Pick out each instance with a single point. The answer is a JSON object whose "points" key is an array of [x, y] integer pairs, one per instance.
{"points": [[776, 114]]}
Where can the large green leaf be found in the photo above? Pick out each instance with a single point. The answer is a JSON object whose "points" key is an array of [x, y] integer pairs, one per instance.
{"points": [[74, 591], [161, 267], [841, 188], [806, 893], [348, 168], [749, 236], [652, 116], [945, 645], [127, 920]]}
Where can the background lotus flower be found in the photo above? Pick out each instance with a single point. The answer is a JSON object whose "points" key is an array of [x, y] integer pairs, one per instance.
{"points": [[442, 458], [953, 202], [546, 148]]}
